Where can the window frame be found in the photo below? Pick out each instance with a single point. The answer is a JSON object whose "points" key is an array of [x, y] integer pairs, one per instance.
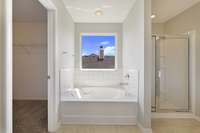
{"points": [[98, 34]]}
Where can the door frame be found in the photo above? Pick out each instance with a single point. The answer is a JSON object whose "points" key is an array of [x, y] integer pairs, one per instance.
{"points": [[153, 106], [53, 121], [8, 67]]}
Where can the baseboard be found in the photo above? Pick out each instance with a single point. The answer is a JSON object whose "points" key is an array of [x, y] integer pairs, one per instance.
{"points": [[58, 125], [55, 129], [177, 115], [144, 130], [197, 118], [99, 120]]}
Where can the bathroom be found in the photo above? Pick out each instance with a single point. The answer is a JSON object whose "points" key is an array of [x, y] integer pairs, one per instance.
{"points": [[100, 66], [92, 70]]}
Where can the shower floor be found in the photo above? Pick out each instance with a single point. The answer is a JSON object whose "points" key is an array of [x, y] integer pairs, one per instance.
{"points": [[29, 116], [160, 110]]}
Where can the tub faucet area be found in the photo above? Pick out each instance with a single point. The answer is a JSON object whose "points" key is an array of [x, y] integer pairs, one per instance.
{"points": [[127, 76], [124, 84]]}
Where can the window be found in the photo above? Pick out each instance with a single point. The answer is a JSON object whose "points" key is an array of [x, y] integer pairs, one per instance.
{"points": [[98, 51]]}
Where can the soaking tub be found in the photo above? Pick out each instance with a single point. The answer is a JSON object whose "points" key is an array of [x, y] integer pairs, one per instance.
{"points": [[99, 105], [110, 94]]}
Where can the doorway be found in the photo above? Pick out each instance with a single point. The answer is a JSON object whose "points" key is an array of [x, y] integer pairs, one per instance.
{"points": [[171, 93], [52, 37], [30, 68]]}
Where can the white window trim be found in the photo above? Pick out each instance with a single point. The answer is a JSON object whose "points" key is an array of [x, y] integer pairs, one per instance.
{"points": [[99, 34]]}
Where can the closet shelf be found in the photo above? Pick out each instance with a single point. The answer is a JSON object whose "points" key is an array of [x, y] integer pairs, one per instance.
{"points": [[30, 45]]}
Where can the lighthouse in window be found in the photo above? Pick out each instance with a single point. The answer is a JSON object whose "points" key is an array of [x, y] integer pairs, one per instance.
{"points": [[101, 53]]}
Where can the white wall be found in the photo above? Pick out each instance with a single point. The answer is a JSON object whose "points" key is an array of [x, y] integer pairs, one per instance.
{"points": [[65, 43], [30, 60], [67, 51], [136, 34], [158, 28], [1, 66], [98, 77]]}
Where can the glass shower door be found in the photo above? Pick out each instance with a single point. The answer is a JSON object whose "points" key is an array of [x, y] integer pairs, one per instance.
{"points": [[171, 73]]}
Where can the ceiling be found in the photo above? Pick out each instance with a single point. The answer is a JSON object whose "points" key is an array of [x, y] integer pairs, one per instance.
{"points": [[167, 9], [114, 11], [28, 11]]}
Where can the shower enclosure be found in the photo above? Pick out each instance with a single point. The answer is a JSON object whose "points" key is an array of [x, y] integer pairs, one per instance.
{"points": [[170, 91]]}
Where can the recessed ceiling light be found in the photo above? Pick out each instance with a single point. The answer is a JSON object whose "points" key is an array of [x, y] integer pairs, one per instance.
{"points": [[153, 16], [98, 12]]}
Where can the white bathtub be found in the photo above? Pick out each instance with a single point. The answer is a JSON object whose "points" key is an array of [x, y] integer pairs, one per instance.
{"points": [[99, 105], [110, 94]]}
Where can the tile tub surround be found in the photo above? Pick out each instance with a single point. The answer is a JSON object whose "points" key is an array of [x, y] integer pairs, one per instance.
{"points": [[97, 78], [100, 79]]}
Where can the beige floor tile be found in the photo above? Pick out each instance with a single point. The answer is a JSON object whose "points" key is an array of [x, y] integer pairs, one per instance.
{"points": [[85, 129], [69, 129], [175, 126], [128, 129], [98, 129], [158, 126], [105, 129]]}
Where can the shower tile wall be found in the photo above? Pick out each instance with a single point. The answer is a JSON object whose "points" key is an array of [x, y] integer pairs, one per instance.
{"points": [[66, 79], [98, 78]]}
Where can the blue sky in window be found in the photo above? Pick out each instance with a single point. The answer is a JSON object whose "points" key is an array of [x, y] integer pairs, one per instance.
{"points": [[91, 44]]}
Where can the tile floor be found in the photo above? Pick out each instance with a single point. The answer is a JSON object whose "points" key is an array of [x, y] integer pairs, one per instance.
{"points": [[98, 129], [158, 126], [175, 126], [31, 117]]}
